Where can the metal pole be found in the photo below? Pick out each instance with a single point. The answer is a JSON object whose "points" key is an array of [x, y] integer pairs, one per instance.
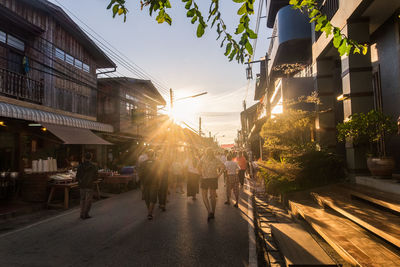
{"points": [[171, 98], [200, 126]]}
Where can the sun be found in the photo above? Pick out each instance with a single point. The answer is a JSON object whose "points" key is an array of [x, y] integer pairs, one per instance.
{"points": [[184, 111]]}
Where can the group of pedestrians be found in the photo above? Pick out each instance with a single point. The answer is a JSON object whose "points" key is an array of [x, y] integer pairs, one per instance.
{"points": [[163, 173]]}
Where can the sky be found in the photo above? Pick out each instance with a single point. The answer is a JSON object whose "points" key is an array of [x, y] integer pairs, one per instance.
{"points": [[174, 57]]}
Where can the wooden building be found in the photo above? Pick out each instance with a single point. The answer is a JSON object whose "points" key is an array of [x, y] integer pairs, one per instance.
{"points": [[47, 79], [130, 106]]}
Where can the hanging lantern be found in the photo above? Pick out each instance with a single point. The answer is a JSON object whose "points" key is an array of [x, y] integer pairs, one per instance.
{"points": [[249, 73]]}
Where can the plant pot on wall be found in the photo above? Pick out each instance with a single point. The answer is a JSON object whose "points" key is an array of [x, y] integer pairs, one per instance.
{"points": [[381, 167]]}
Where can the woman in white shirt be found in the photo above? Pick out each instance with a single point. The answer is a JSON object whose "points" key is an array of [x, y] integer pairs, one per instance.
{"points": [[232, 181]]}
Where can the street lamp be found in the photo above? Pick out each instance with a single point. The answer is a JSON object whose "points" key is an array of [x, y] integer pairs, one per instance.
{"points": [[172, 100]]}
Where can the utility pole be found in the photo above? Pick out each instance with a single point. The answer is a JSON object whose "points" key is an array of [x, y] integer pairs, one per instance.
{"points": [[209, 134], [171, 97], [200, 126]]}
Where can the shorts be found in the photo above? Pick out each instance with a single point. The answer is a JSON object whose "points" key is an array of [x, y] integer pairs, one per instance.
{"points": [[209, 183]]}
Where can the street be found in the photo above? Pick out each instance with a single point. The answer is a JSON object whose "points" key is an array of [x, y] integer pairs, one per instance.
{"points": [[119, 234]]}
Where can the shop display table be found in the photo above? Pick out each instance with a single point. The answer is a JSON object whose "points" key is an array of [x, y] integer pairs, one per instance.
{"points": [[67, 187], [120, 180]]}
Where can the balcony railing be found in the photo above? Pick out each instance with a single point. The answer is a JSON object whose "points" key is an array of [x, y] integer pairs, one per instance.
{"points": [[329, 8], [20, 87]]}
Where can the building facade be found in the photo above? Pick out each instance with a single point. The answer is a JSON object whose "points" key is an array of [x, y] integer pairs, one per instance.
{"points": [[48, 86], [356, 83], [131, 107]]}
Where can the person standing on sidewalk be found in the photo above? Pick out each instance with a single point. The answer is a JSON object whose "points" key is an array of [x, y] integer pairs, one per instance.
{"points": [[210, 168], [232, 181], [148, 172], [241, 160], [86, 175]]}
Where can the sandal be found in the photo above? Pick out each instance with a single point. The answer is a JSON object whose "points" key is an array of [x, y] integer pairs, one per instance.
{"points": [[150, 217]]}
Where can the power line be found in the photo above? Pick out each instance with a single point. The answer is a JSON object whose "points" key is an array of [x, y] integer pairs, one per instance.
{"points": [[121, 58]]}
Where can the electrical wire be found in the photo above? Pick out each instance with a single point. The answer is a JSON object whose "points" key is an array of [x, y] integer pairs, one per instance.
{"points": [[119, 56]]}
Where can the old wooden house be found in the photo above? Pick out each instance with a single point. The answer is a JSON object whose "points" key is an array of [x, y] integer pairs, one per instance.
{"points": [[48, 86], [130, 106]]}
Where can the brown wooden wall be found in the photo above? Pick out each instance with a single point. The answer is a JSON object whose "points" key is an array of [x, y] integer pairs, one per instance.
{"points": [[41, 52]]}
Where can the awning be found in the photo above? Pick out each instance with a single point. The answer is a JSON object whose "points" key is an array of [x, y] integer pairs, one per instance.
{"points": [[75, 136], [23, 113]]}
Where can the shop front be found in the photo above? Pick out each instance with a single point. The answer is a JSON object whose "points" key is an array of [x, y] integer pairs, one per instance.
{"points": [[35, 145]]}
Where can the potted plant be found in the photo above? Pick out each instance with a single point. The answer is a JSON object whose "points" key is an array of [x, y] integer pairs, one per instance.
{"points": [[370, 129]]}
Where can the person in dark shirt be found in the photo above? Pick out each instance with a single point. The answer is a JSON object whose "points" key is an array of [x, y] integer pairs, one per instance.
{"points": [[148, 174], [86, 175]]}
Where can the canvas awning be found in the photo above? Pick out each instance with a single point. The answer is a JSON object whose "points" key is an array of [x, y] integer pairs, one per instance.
{"points": [[29, 114], [75, 136]]}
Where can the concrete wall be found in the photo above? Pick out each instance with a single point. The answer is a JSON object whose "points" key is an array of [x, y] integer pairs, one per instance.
{"points": [[388, 55]]}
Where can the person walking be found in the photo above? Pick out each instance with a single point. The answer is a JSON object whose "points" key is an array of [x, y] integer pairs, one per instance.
{"points": [[193, 174], [232, 181], [142, 158], [163, 176], [150, 180], [210, 168], [177, 171], [241, 160], [86, 175]]}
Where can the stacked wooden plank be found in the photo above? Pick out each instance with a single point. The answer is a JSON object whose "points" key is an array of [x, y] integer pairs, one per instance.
{"points": [[360, 232]]}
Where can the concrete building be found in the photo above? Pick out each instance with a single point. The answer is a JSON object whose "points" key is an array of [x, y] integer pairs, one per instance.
{"points": [[366, 82]]}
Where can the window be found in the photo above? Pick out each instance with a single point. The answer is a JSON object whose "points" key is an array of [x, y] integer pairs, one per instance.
{"points": [[60, 54], [86, 68], [78, 64], [69, 59], [3, 37], [15, 42]]}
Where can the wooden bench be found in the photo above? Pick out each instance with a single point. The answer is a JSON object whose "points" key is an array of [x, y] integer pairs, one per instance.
{"points": [[353, 243], [67, 188]]}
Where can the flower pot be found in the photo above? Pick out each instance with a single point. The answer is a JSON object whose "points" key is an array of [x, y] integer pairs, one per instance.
{"points": [[381, 167]]}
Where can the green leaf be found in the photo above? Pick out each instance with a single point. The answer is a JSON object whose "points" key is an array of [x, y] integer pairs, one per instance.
{"points": [[337, 40], [190, 13], [228, 49], [249, 48], [239, 29], [194, 19], [252, 35], [365, 49], [242, 10], [343, 48], [200, 30], [188, 4], [115, 10]]}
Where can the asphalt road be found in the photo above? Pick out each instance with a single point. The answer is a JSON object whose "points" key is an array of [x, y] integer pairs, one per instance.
{"points": [[119, 234]]}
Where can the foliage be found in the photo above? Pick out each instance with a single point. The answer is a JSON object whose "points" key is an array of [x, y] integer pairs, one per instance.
{"points": [[240, 49], [344, 44], [364, 128], [319, 168], [310, 169], [289, 133]]}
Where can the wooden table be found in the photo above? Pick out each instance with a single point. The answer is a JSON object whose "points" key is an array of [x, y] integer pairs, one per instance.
{"points": [[119, 180], [67, 187]]}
